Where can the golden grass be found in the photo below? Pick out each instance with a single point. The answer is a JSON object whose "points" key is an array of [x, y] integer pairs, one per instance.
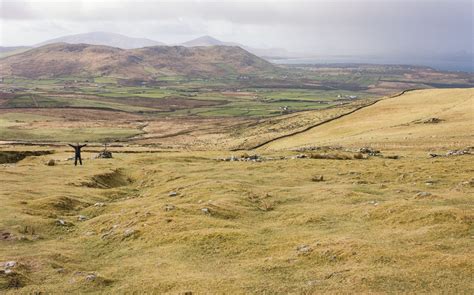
{"points": [[362, 229], [392, 123], [252, 227]]}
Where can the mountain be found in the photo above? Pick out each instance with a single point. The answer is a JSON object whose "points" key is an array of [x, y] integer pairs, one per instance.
{"points": [[208, 41], [62, 59], [104, 38], [262, 52]]}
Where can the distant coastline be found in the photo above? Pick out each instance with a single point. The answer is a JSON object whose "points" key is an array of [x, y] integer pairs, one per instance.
{"points": [[455, 65]]}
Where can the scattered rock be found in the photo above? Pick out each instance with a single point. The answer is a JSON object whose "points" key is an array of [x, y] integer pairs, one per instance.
{"points": [[91, 277], [318, 178], [9, 264], [431, 121], [369, 151], [375, 203], [99, 204], [82, 218], [169, 207], [459, 152], [244, 158], [430, 182], [423, 194], [6, 236], [206, 210], [51, 162], [61, 222], [304, 249], [172, 194], [129, 232], [466, 151], [104, 155]]}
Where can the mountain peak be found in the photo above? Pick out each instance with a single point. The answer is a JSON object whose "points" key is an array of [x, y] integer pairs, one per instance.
{"points": [[205, 40], [104, 38]]}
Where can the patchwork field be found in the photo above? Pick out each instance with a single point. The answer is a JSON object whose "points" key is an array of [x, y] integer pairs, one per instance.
{"points": [[356, 204]]}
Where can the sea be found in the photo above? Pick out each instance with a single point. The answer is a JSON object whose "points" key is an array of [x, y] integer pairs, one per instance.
{"points": [[452, 65]]}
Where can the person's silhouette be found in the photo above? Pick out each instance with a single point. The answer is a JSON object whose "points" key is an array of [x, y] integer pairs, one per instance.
{"points": [[77, 152]]}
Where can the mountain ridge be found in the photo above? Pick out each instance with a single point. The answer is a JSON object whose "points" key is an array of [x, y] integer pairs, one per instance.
{"points": [[63, 59]]}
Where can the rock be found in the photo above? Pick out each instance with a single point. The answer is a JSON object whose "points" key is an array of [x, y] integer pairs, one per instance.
{"points": [[51, 162], [458, 152], [173, 194], [169, 207], [304, 249], [206, 210], [8, 271], [61, 222], [82, 218], [423, 194], [375, 203], [432, 121], [99, 204], [430, 182], [91, 277], [9, 264], [104, 155], [6, 236], [129, 232], [369, 151], [318, 178]]}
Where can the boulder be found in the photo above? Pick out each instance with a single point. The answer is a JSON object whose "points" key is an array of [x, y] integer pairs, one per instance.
{"points": [[104, 155], [318, 178]]}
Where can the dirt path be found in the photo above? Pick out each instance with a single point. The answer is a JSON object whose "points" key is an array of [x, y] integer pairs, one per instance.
{"points": [[326, 121]]}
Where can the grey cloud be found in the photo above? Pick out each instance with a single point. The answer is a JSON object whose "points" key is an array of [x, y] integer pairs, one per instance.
{"points": [[320, 27]]}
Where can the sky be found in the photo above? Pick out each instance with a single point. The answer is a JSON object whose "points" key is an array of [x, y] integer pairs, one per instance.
{"points": [[319, 27]]}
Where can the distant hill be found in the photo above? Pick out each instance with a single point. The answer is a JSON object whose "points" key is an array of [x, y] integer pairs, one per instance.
{"points": [[104, 38], [208, 41], [262, 52], [61, 59]]}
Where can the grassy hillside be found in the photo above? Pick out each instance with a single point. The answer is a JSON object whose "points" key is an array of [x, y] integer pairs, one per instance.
{"points": [[156, 221], [84, 60], [401, 121]]}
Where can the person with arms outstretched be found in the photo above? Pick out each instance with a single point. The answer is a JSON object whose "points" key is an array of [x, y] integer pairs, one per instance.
{"points": [[77, 152]]}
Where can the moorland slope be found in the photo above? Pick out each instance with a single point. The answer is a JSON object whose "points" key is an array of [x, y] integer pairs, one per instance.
{"points": [[84, 60], [441, 118]]}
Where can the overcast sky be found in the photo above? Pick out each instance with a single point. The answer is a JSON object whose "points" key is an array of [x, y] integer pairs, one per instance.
{"points": [[337, 27]]}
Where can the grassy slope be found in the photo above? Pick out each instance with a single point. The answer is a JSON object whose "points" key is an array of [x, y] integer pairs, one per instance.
{"points": [[365, 226], [248, 244], [391, 122]]}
